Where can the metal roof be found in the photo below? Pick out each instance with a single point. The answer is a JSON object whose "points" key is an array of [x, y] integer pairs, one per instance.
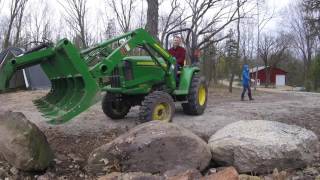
{"points": [[253, 70]]}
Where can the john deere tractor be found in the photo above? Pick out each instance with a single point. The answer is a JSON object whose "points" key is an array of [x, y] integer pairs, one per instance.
{"points": [[78, 78]]}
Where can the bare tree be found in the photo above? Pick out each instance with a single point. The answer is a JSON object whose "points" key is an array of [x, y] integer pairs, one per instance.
{"points": [[208, 66], [39, 22], [265, 48], [304, 39], [312, 11], [206, 29], [172, 20], [19, 23], [76, 14], [123, 11], [16, 10], [110, 30], [235, 63], [152, 17], [209, 19], [142, 15], [272, 51], [247, 40], [263, 17]]}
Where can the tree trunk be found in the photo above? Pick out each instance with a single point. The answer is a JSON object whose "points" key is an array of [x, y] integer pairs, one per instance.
{"points": [[152, 17], [83, 36], [17, 38], [231, 82], [8, 34], [267, 71], [214, 73], [234, 64]]}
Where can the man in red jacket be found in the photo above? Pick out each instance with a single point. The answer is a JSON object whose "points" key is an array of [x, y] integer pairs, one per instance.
{"points": [[178, 52]]}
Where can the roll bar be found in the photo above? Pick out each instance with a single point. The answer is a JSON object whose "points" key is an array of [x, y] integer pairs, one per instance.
{"points": [[177, 31]]}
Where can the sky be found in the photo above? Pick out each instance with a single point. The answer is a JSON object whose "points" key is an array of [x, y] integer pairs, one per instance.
{"points": [[97, 7], [278, 6]]}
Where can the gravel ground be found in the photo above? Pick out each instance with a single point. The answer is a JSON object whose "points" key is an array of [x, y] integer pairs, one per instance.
{"points": [[73, 141]]}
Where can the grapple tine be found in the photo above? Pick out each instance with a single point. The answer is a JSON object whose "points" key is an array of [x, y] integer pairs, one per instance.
{"points": [[58, 93], [83, 103], [77, 93], [76, 87], [50, 93], [49, 98], [64, 93]]}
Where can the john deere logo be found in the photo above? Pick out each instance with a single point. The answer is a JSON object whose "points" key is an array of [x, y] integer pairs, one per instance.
{"points": [[150, 63], [142, 63]]}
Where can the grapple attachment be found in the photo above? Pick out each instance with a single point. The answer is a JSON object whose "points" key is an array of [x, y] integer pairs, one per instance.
{"points": [[73, 88]]}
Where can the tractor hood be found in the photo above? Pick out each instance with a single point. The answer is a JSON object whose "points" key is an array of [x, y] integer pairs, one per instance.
{"points": [[144, 60]]}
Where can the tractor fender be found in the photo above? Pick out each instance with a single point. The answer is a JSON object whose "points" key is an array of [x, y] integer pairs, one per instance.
{"points": [[185, 79]]}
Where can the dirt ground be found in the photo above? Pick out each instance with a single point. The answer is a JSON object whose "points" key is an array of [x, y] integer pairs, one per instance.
{"points": [[72, 142]]}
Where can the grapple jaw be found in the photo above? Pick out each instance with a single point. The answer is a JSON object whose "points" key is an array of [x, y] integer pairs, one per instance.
{"points": [[7, 73], [73, 88], [67, 98]]}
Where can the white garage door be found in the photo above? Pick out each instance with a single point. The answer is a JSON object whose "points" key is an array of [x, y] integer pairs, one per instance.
{"points": [[280, 80]]}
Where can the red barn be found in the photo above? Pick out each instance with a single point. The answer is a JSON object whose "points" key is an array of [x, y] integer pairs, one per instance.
{"points": [[277, 75]]}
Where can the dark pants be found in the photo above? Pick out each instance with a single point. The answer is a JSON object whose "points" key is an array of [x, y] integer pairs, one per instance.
{"points": [[178, 68], [245, 88]]}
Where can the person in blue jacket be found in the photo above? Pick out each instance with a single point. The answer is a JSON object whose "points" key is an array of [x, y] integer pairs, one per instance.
{"points": [[246, 82]]}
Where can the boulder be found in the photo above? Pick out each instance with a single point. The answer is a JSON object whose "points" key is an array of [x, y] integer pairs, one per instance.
{"points": [[22, 144], [248, 177], [260, 146], [229, 173], [130, 176], [185, 175], [153, 147], [276, 175]]}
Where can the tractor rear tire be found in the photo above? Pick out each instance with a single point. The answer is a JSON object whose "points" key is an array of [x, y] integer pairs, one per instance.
{"points": [[157, 105], [115, 107], [197, 97]]}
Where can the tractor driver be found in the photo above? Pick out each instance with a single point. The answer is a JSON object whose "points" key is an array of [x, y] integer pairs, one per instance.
{"points": [[178, 52]]}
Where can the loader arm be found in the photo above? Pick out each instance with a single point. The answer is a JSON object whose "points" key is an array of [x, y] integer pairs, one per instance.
{"points": [[77, 77], [138, 38]]}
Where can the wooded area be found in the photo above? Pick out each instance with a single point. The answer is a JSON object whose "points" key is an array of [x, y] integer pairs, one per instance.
{"points": [[228, 33]]}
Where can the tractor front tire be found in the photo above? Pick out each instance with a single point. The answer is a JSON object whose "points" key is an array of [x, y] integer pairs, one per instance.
{"points": [[115, 107], [197, 97], [157, 105]]}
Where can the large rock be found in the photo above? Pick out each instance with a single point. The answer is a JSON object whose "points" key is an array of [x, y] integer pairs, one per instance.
{"points": [[260, 146], [130, 176], [22, 144], [229, 173], [184, 175], [151, 147]]}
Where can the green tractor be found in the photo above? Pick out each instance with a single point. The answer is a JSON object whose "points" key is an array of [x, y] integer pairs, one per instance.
{"points": [[78, 78]]}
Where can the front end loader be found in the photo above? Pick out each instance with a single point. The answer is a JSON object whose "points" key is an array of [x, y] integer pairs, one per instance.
{"points": [[78, 78]]}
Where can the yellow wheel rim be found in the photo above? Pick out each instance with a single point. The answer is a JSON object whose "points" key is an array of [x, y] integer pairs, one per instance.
{"points": [[202, 95], [162, 112]]}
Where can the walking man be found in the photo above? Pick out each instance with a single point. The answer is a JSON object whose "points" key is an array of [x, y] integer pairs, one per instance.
{"points": [[246, 82]]}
